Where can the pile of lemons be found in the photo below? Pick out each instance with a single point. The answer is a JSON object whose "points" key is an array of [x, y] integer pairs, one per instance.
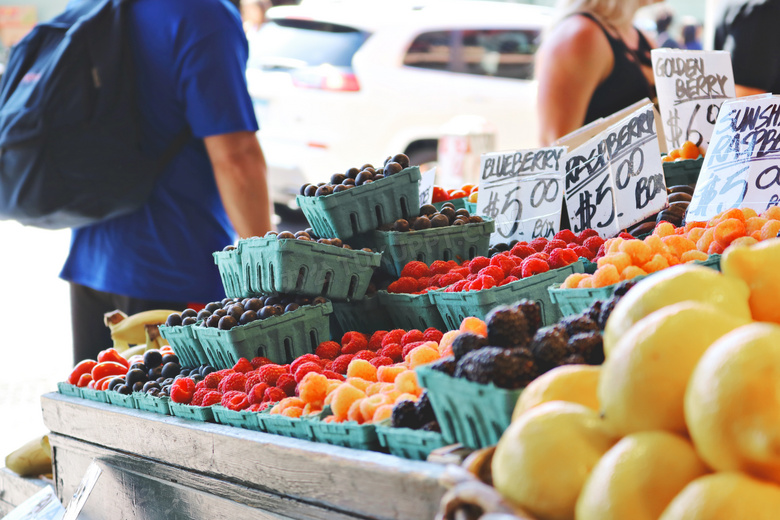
{"points": [[681, 422]]}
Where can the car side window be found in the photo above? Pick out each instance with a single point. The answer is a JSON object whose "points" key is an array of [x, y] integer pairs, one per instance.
{"points": [[502, 53]]}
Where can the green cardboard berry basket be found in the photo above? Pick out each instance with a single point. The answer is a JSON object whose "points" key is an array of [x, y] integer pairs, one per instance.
{"points": [[366, 316], [68, 389], [193, 413], [457, 243], [459, 203], [151, 403], [279, 338], [455, 306], [115, 398], [470, 413], [364, 208], [348, 434], [471, 207], [408, 443], [683, 171], [291, 266], [99, 396], [411, 311], [239, 419], [229, 264], [278, 424], [185, 344]]}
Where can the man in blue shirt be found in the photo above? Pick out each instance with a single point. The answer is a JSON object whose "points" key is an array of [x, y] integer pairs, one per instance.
{"points": [[190, 58]]}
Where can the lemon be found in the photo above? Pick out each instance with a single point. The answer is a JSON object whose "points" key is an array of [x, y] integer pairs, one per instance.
{"points": [[725, 496], [543, 459], [572, 383], [676, 284], [638, 477], [732, 404], [643, 381], [757, 266]]}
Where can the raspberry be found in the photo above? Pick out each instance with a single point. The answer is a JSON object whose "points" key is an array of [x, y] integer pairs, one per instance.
{"points": [[457, 287], [440, 267], [415, 269], [323, 362], [182, 390], [235, 400], [412, 336], [409, 347], [586, 234], [287, 384], [305, 368], [375, 343], [435, 280], [593, 243], [365, 354], [197, 397], [552, 245], [353, 342], [341, 363], [431, 334], [251, 380], [254, 408], [235, 381], [404, 285], [243, 365], [423, 282], [211, 398], [330, 374], [257, 362], [562, 257], [538, 244], [532, 266], [264, 406], [544, 257], [394, 336], [601, 252], [450, 278], [327, 363], [517, 272], [626, 236], [362, 369], [478, 263], [306, 358], [328, 350], [521, 251], [212, 380], [584, 252], [482, 282], [274, 394], [393, 351], [496, 273], [503, 262], [256, 393], [567, 235], [270, 373], [508, 279], [199, 385], [381, 361]]}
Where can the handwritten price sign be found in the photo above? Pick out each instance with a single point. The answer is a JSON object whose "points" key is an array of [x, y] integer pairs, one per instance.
{"points": [[742, 166], [523, 192], [427, 182], [615, 179], [691, 86]]}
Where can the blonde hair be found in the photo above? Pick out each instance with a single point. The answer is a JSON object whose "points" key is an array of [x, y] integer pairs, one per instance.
{"points": [[614, 12]]}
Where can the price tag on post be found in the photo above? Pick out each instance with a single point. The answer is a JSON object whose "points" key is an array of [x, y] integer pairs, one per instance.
{"points": [[427, 181], [523, 192], [742, 166], [691, 86]]}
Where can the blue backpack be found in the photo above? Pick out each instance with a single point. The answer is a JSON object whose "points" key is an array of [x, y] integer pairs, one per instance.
{"points": [[70, 130]]}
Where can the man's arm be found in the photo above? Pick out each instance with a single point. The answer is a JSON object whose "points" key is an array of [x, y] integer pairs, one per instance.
{"points": [[240, 172]]}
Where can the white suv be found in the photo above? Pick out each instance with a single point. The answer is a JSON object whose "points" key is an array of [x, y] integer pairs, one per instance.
{"points": [[341, 84]]}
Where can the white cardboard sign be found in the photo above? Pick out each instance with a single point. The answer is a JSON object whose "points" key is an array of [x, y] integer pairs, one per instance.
{"points": [[742, 166], [691, 87], [614, 175], [427, 181], [523, 192]]}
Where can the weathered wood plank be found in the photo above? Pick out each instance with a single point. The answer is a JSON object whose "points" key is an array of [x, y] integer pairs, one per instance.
{"points": [[357, 482], [15, 489]]}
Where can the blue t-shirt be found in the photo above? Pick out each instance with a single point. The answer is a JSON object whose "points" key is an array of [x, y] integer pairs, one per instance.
{"points": [[190, 58]]}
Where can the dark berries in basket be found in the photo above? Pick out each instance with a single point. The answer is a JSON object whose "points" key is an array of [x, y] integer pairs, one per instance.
{"points": [[579, 323], [152, 358], [607, 306], [589, 345], [421, 222], [623, 287], [285, 234], [189, 320], [432, 426], [227, 322], [247, 317], [189, 312], [173, 319], [573, 359], [404, 415], [401, 159], [445, 365], [550, 346], [509, 368], [507, 327], [439, 220], [424, 409], [467, 342], [392, 168], [532, 312], [594, 311], [428, 210]]}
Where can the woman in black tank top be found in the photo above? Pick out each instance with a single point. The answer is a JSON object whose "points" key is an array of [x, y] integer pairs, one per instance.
{"points": [[591, 64]]}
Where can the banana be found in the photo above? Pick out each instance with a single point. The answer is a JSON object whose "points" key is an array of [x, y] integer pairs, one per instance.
{"points": [[131, 330], [32, 459], [153, 338], [133, 351]]}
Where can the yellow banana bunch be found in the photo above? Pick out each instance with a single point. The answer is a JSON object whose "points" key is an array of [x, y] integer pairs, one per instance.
{"points": [[32, 459], [132, 330]]}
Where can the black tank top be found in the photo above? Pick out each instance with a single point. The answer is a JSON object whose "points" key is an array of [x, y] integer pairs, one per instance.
{"points": [[626, 84]]}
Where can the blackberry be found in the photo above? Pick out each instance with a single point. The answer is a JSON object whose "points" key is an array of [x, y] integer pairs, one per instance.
{"points": [[432, 426], [594, 310], [465, 343], [579, 323], [424, 409], [507, 327], [550, 346], [589, 345], [446, 365], [623, 287], [606, 309], [404, 415], [533, 314], [509, 368], [573, 359]]}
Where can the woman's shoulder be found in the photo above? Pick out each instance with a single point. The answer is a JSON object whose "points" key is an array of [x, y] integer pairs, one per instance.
{"points": [[577, 34]]}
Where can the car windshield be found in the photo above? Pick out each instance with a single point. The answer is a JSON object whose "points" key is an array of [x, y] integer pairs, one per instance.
{"points": [[291, 43]]}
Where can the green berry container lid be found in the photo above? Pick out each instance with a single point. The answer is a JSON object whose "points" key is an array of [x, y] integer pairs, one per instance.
{"points": [[411, 311], [100, 396], [123, 400], [408, 443], [364, 208], [151, 403], [455, 306], [348, 434], [290, 266], [470, 413], [237, 418], [278, 338], [278, 424], [68, 389], [185, 344], [471, 207], [366, 316], [683, 171], [229, 264], [193, 413]]}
